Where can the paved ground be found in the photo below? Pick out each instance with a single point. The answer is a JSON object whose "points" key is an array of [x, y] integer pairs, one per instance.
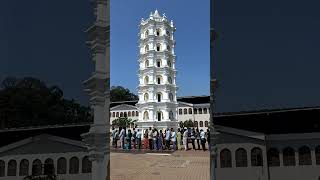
{"points": [[168, 165]]}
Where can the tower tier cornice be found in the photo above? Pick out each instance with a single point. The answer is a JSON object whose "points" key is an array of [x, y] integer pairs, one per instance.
{"points": [[153, 53]]}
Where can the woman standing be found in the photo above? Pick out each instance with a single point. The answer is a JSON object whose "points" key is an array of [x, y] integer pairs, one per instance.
{"points": [[179, 139], [145, 140], [160, 137]]}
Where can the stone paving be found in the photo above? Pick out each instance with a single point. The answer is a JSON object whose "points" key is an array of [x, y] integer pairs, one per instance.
{"points": [[178, 165]]}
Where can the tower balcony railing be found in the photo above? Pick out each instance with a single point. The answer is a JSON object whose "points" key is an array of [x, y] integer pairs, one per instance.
{"points": [[154, 69], [152, 38], [153, 53]]}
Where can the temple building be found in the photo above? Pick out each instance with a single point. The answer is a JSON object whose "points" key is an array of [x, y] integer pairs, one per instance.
{"points": [[157, 105]]}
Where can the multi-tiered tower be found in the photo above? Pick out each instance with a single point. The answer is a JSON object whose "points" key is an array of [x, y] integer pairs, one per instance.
{"points": [[157, 73]]}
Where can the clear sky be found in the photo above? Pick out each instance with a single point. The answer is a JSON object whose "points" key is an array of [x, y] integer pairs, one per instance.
{"points": [[192, 20], [267, 54]]}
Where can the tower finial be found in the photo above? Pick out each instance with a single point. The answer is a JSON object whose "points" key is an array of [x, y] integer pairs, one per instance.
{"points": [[156, 13]]}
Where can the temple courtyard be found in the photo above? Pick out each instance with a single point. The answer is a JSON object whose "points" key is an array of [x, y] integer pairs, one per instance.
{"points": [[178, 165]]}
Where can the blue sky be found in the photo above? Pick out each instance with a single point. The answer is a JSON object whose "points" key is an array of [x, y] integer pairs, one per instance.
{"points": [[192, 20]]}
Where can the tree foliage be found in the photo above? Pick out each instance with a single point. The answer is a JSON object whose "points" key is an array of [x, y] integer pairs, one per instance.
{"points": [[188, 124], [30, 102], [123, 122], [119, 93]]}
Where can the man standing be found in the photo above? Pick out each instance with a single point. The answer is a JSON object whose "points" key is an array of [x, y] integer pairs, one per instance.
{"points": [[203, 139], [116, 137], [208, 138], [168, 135], [122, 136], [198, 138], [155, 137], [150, 136], [173, 139], [113, 136], [134, 134], [185, 139], [138, 136]]}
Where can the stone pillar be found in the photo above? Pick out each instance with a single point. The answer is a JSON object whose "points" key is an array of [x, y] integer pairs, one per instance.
{"points": [[98, 87]]}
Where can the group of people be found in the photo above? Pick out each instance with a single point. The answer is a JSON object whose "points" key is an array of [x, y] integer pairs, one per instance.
{"points": [[154, 139]]}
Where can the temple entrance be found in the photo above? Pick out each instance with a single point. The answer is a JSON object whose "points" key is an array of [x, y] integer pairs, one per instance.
{"points": [[159, 116]]}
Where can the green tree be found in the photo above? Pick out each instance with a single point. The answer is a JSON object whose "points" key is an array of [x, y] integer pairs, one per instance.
{"points": [[29, 101], [119, 93], [189, 123], [123, 122]]}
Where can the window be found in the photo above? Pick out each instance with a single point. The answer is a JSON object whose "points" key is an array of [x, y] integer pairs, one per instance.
{"points": [[170, 80], [171, 97], [185, 111], [159, 63], [180, 111], [168, 48], [159, 79], [167, 33], [121, 114], [125, 114], [195, 124], [190, 110], [205, 111], [159, 115], [74, 165], [206, 124], [129, 114], [146, 80], [146, 33], [12, 168], [200, 110], [146, 49], [273, 157], [158, 31], [288, 157], [241, 158], [169, 63], [132, 113], [36, 167], [62, 166], [225, 158], [158, 47], [48, 167], [2, 168], [137, 113], [317, 151], [145, 115], [146, 63], [256, 157], [201, 123], [304, 156], [171, 115], [117, 115], [159, 97], [195, 111], [24, 168], [113, 114], [86, 165]]}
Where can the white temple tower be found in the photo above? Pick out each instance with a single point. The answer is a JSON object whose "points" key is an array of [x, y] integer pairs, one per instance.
{"points": [[157, 73]]}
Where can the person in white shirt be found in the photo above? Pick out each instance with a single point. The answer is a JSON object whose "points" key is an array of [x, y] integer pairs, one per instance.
{"points": [[138, 137], [173, 139], [122, 134], [168, 135], [185, 139], [203, 139]]}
